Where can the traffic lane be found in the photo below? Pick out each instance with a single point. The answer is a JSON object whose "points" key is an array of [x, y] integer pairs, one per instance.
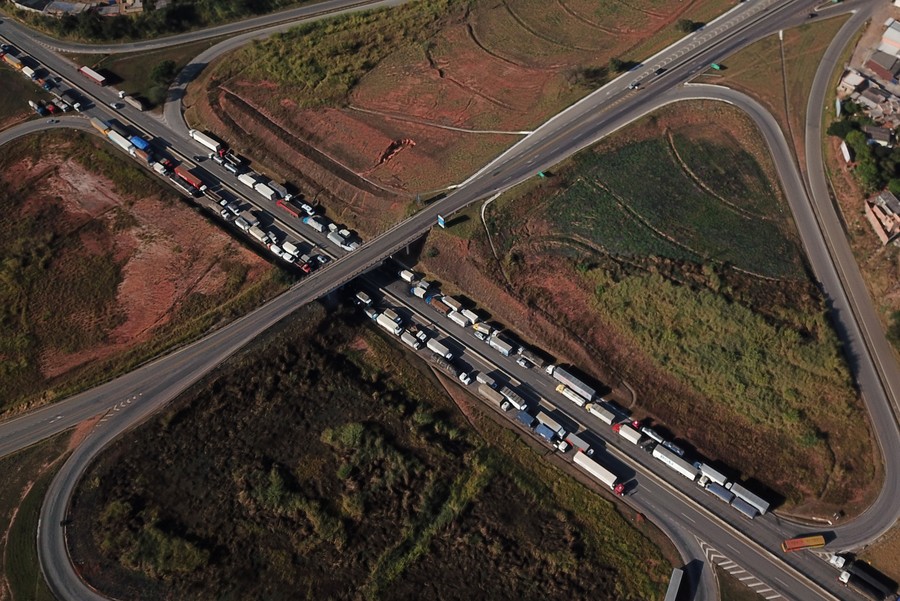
{"points": [[883, 412]]}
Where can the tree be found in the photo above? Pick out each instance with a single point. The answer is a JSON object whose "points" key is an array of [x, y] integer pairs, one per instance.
{"points": [[686, 25], [617, 65], [164, 72], [841, 128], [894, 188]]}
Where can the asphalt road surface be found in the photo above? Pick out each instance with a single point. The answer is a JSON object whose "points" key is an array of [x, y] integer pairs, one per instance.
{"points": [[139, 394]]}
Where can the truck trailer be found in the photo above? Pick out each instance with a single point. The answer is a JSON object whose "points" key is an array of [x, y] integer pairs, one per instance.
{"points": [[598, 410], [101, 126], [675, 462], [502, 346], [140, 142], [434, 301], [514, 398], [315, 223], [120, 141], [571, 395], [599, 472], [551, 423], [492, 395], [439, 348], [578, 443], [742, 493], [207, 141], [744, 507], [407, 276], [459, 318], [411, 340], [265, 191], [184, 173], [259, 234], [93, 76], [576, 384], [134, 102]]}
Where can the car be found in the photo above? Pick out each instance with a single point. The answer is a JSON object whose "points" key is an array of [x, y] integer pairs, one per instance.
{"points": [[649, 447], [523, 362], [322, 259], [812, 15], [198, 158], [52, 121], [480, 335], [305, 268], [660, 71], [114, 105], [634, 85]]}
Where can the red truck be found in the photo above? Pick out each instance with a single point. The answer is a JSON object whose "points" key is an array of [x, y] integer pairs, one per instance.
{"points": [[93, 76], [437, 305], [288, 208], [185, 174]]}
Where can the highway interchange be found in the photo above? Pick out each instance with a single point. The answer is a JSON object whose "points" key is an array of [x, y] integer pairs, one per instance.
{"points": [[687, 513]]}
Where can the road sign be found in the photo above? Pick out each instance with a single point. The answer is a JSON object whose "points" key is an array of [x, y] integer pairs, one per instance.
{"points": [[441, 221]]}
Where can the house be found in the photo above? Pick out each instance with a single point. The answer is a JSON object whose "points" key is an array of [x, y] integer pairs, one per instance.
{"points": [[850, 83], [35, 6], [890, 39], [883, 213], [877, 135], [885, 66]]}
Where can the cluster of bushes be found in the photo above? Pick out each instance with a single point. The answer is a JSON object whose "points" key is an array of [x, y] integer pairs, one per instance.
{"points": [[876, 166]]}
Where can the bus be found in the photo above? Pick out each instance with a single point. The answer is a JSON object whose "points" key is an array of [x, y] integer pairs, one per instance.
{"points": [[804, 542]]}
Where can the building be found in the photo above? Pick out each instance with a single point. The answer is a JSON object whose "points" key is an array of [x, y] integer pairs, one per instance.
{"points": [[885, 66], [35, 6], [883, 213], [878, 135], [850, 82], [890, 39]]}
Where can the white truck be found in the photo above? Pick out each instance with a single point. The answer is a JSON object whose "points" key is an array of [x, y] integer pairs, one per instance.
{"points": [[440, 349], [315, 223], [407, 276], [570, 394], [459, 318], [601, 412], [259, 234], [248, 179], [411, 340], [389, 324], [205, 140], [265, 191]]}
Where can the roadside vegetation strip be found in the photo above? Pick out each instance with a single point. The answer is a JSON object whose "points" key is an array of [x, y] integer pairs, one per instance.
{"points": [[325, 444], [84, 293], [26, 475]]}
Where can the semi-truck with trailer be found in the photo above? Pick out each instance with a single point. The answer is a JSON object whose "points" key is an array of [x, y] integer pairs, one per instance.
{"points": [[13, 62], [452, 303], [315, 223], [514, 398], [287, 207], [720, 491], [472, 316], [599, 472], [675, 462], [573, 382], [93, 76], [628, 433], [389, 324], [601, 412], [336, 238], [265, 191], [279, 189], [248, 179], [502, 346], [393, 316], [207, 141], [259, 234], [485, 379], [120, 141], [411, 340], [570, 394], [551, 423], [459, 319], [744, 507], [493, 396], [435, 346], [434, 301], [101, 126], [739, 491], [862, 586], [184, 173], [861, 576], [579, 443], [711, 474]]}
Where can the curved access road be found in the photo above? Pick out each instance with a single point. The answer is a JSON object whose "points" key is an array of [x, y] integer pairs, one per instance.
{"points": [[877, 372], [285, 17], [43, 124]]}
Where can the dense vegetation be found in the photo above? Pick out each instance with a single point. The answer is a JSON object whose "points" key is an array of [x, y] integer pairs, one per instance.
{"points": [[694, 200], [686, 251], [323, 447], [322, 62], [177, 16], [877, 166]]}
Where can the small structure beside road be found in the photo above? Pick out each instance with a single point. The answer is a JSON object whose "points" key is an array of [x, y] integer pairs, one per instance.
{"points": [[883, 213]]}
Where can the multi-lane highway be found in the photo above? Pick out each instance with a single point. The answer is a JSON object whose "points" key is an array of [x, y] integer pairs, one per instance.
{"points": [[142, 392]]}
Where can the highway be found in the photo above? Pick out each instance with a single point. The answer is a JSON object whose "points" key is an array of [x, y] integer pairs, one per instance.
{"points": [[138, 395]]}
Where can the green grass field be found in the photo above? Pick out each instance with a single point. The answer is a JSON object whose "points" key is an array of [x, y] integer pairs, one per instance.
{"points": [[22, 470], [640, 200]]}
